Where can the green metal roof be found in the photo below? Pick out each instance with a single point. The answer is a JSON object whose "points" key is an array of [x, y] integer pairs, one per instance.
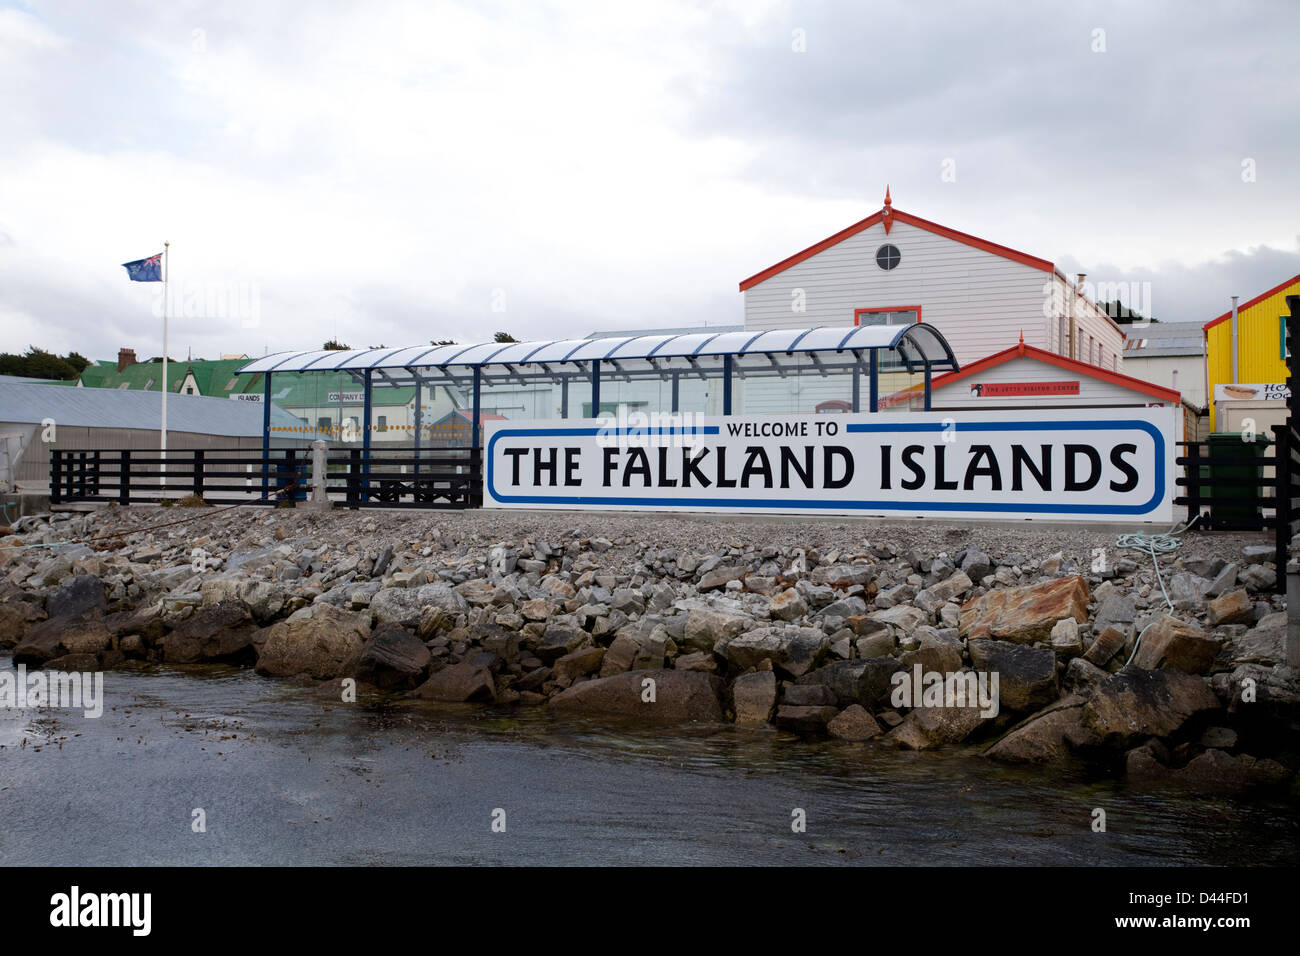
{"points": [[217, 379]]}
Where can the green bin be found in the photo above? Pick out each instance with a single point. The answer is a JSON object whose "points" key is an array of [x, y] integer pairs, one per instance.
{"points": [[1235, 500]]}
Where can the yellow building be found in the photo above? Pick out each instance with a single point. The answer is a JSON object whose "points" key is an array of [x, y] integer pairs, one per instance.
{"points": [[1261, 349]]}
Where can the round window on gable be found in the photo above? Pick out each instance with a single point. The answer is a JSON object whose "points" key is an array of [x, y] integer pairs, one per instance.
{"points": [[888, 256]]}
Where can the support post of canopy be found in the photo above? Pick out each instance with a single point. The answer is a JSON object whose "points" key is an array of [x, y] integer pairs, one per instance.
{"points": [[595, 388], [875, 380], [419, 388], [564, 396], [266, 434], [857, 389], [365, 437], [677, 392], [726, 384], [478, 407], [927, 386]]}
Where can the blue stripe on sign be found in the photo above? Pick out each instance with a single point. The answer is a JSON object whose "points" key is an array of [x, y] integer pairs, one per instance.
{"points": [[807, 504]]}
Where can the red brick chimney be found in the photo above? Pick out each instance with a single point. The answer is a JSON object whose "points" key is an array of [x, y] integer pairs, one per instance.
{"points": [[125, 357]]}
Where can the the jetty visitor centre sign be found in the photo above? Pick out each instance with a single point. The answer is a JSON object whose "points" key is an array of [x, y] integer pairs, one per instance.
{"points": [[1087, 463]]}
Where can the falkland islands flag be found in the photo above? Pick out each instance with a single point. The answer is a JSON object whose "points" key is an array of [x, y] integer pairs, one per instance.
{"points": [[145, 270]]}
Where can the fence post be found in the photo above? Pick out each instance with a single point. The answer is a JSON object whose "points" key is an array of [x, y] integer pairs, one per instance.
{"points": [[124, 487], [56, 475], [1282, 495], [354, 479], [1194, 483], [320, 500], [291, 470], [198, 473]]}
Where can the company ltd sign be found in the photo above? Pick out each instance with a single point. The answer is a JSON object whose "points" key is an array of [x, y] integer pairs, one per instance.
{"points": [[1078, 464]]}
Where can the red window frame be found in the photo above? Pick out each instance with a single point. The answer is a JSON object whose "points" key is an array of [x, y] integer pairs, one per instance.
{"points": [[858, 313]]}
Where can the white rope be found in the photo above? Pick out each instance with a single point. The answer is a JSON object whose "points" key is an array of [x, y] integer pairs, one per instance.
{"points": [[1162, 542]]}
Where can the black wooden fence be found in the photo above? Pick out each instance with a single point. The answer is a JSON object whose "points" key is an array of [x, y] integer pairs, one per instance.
{"points": [[396, 477], [1233, 484]]}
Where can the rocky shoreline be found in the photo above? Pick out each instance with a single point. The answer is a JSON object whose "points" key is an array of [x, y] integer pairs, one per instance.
{"points": [[813, 627]]}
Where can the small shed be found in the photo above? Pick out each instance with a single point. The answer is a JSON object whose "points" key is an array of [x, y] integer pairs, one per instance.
{"points": [[1024, 376]]}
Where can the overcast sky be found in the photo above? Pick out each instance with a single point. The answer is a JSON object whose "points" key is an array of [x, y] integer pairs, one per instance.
{"points": [[399, 172]]}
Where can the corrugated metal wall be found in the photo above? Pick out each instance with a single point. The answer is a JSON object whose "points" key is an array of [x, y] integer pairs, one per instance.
{"points": [[1259, 345], [34, 469]]}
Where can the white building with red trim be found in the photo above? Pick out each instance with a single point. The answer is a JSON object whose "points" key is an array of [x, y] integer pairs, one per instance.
{"points": [[1027, 377], [895, 267]]}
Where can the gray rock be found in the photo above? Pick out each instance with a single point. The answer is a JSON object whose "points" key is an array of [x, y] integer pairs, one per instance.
{"points": [[470, 680], [1258, 578], [665, 696], [393, 659], [853, 723], [754, 697], [1116, 609], [1026, 675]]}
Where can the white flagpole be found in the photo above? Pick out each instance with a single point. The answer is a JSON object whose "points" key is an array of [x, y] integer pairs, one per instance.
{"points": [[166, 256]]}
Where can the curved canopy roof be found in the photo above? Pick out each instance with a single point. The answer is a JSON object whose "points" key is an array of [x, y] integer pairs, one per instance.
{"points": [[917, 345]]}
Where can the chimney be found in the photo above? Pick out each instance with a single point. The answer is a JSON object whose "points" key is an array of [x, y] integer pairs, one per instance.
{"points": [[125, 357]]}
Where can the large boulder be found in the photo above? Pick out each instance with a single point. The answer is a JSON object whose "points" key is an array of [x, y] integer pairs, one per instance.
{"points": [[560, 639], [1137, 703], [579, 663], [218, 632], [1026, 675], [902, 616], [705, 627], [927, 727], [470, 680], [805, 719], [393, 659], [853, 723], [60, 636], [1235, 607], [1048, 736], [866, 682], [1105, 645], [789, 605], [1171, 643], [406, 605], [1265, 643], [793, 649], [1025, 614], [720, 577], [671, 696], [81, 595], [320, 640], [15, 617], [754, 697]]}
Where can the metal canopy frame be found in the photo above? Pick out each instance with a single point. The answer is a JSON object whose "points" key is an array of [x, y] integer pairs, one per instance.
{"points": [[918, 347], [726, 355]]}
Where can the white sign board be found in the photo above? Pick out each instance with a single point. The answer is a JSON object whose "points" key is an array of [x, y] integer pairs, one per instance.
{"points": [[1077, 464], [247, 397], [1267, 391]]}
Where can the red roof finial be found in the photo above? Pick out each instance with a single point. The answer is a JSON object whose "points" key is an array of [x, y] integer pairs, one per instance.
{"points": [[1022, 342], [886, 214], [888, 201]]}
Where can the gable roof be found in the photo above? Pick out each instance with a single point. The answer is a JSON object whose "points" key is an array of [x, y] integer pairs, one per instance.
{"points": [[28, 403], [1255, 301], [1051, 358], [897, 215], [1162, 339]]}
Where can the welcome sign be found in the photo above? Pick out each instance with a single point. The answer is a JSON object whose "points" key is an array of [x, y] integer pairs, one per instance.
{"points": [[1092, 464]]}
